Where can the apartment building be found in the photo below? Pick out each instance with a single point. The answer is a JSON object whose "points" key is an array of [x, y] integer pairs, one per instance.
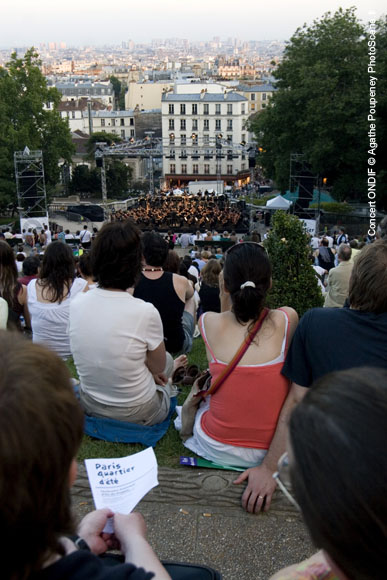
{"points": [[202, 135], [257, 95], [72, 90], [103, 119]]}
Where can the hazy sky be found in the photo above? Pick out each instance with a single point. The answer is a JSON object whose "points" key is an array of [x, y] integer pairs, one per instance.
{"points": [[80, 22]]}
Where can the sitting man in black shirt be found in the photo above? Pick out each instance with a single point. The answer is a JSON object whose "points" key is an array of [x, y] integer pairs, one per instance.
{"points": [[171, 294], [41, 428], [327, 340]]}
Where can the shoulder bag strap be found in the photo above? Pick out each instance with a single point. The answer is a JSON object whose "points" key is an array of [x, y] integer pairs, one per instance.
{"points": [[238, 355]]}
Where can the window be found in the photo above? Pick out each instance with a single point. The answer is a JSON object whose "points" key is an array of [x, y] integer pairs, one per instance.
{"points": [[263, 105], [182, 109], [243, 137], [171, 124], [218, 125], [229, 109], [183, 154], [217, 109], [205, 109], [122, 122], [123, 133], [229, 124], [252, 97], [194, 124], [194, 109], [183, 139], [206, 125], [252, 107], [102, 122], [229, 138], [131, 121], [194, 139], [206, 139], [73, 114], [218, 168], [172, 168], [171, 154], [243, 166], [182, 124], [183, 168], [132, 132], [195, 168], [171, 109], [263, 96], [113, 122], [206, 169], [171, 138], [243, 109], [229, 169]]}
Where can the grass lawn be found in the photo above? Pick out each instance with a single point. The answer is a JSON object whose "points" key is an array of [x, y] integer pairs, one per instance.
{"points": [[168, 449]]}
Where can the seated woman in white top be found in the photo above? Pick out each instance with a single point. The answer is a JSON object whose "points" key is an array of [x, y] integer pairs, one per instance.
{"points": [[49, 298], [117, 340]]}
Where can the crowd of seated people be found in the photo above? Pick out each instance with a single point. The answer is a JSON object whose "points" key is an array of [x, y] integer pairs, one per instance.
{"points": [[184, 213], [277, 372]]}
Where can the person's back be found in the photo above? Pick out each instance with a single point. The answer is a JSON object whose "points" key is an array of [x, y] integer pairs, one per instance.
{"points": [[236, 425], [162, 294], [49, 298]]}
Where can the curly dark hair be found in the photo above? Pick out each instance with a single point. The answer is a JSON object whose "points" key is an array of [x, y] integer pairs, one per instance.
{"points": [[116, 255], [57, 272]]}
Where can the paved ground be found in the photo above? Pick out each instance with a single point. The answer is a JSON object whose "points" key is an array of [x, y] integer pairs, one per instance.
{"points": [[194, 515]]}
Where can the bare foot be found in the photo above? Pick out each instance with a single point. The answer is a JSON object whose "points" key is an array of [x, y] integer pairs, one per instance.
{"points": [[180, 361]]}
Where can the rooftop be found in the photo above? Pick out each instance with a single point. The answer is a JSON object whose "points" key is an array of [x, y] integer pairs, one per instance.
{"points": [[204, 97]]}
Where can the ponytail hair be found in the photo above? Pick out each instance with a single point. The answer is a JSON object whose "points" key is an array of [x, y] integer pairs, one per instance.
{"points": [[247, 262]]}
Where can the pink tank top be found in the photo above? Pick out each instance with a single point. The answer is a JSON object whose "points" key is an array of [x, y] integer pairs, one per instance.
{"points": [[244, 411]]}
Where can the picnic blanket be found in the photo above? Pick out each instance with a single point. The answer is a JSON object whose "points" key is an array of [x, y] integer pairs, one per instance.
{"points": [[122, 431]]}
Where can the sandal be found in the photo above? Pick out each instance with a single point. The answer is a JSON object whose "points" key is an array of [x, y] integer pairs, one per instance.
{"points": [[178, 375], [191, 374]]}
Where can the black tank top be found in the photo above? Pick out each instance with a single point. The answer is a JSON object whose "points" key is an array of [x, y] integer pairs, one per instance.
{"points": [[162, 295]]}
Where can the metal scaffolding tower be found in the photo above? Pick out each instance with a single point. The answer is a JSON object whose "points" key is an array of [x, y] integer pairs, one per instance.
{"points": [[30, 185]]}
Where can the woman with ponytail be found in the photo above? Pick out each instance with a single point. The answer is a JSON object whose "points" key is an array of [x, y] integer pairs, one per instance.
{"points": [[235, 425]]}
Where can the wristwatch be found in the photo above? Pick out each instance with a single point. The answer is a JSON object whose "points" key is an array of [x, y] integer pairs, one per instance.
{"points": [[80, 543]]}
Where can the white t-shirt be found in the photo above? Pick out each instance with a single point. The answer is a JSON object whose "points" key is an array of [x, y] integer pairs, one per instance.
{"points": [[85, 236], [48, 236], [50, 320], [110, 334]]}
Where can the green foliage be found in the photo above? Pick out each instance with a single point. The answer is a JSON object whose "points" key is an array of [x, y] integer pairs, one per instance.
{"points": [[101, 137], [333, 207], [294, 281], [118, 176], [84, 180], [320, 107], [25, 121]]}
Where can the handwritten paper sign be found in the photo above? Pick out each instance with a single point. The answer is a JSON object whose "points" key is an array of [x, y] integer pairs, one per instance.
{"points": [[119, 484]]}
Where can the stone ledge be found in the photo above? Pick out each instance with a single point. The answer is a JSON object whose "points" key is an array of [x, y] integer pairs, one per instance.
{"points": [[197, 487]]}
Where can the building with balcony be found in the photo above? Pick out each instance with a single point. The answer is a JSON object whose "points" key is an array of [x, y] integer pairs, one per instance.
{"points": [[202, 135]]}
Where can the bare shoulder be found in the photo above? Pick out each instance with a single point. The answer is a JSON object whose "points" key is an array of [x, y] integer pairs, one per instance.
{"points": [[292, 314]]}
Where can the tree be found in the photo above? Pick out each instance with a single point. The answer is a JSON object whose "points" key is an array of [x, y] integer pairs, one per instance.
{"points": [[320, 107], [294, 280], [118, 176], [24, 120], [101, 137]]}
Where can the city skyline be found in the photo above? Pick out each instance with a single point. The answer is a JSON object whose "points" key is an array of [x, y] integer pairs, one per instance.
{"points": [[91, 23]]}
